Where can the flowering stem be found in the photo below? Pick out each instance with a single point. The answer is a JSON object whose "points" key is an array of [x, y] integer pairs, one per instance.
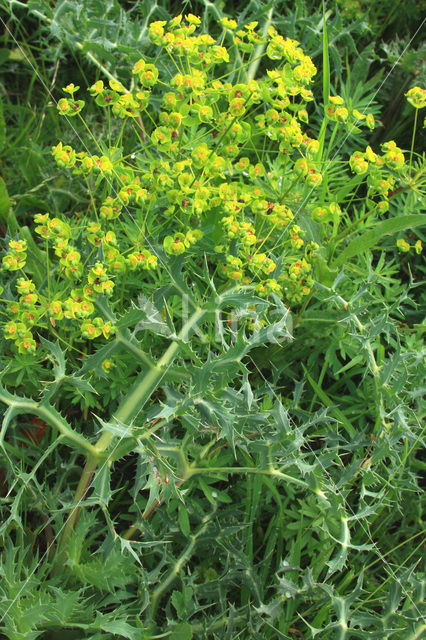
{"points": [[258, 52], [332, 137], [131, 405], [321, 138], [412, 141], [141, 392], [82, 488]]}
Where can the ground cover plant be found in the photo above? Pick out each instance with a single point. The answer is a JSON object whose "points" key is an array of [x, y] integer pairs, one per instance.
{"points": [[212, 351]]}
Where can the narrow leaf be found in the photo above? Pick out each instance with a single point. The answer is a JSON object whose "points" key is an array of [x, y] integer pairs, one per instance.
{"points": [[370, 238]]}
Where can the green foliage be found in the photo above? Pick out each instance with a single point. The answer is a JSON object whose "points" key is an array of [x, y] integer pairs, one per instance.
{"points": [[212, 343]]}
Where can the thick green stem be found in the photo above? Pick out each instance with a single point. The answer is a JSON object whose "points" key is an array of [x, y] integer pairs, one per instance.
{"points": [[82, 488], [147, 383], [140, 355], [192, 471], [131, 405]]}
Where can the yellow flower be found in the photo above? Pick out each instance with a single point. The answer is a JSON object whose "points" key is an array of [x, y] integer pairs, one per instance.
{"points": [[26, 344], [116, 86], [55, 309], [104, 164], [403, 245], [191, 19], [107, 365], [63, 105], [97, 88], [70, 88], [369, 121], [336, 100], [228, 23], [416, 97]]}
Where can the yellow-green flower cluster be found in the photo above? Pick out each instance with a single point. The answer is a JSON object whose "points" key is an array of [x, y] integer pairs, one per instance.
{"points": [[179, 40], [58, 232], [197, 179], [260, 262], [269, 286], [297, 281], [405, 246], [379, 171], [96, 327], [179, 242], [141, 259], [64, 155], [99, 281], [416, 97], [299, 69], [392, 155], [22, 337], [70, 108], [16, 257], [327, 213], [199, 185], [66, 243], [309, 171], [337, 111], [25, 313], [243, 231]]}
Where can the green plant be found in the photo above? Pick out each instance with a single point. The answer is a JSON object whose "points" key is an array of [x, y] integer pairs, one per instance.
{"points": [[213, 227]]}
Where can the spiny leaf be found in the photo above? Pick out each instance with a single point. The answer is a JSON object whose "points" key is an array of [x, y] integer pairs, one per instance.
{"points": [[56, 355], [118, 627], [102, 484], [144, 316], [106, 572], [94, 361]]}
